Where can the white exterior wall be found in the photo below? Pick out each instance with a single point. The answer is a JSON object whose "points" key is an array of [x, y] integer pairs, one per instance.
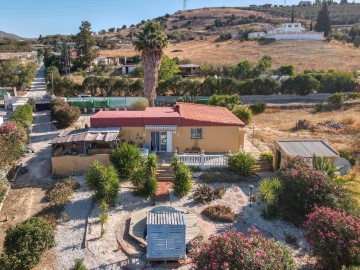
{"points": [[255, 35], [301, 36], [1, 120], [131, 70]]}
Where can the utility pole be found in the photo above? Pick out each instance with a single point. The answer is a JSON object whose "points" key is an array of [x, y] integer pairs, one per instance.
{"points": [[185, 6]]}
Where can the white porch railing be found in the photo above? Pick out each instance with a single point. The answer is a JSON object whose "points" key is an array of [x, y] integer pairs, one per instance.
{"points": [[204, 161]]}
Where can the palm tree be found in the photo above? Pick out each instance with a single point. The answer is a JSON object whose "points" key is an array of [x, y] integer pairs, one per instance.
{"points": [[324, 165], [151, 43]]}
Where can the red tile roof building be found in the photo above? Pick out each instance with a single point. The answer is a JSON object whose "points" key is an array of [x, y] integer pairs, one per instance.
{"points": [[183, 114]]}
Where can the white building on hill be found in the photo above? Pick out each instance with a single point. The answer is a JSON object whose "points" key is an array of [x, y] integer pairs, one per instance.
{"points": [[289, 31]]}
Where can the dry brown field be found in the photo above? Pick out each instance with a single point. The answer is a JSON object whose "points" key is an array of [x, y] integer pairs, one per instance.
{"points": [[303, 54], [279, 124]]}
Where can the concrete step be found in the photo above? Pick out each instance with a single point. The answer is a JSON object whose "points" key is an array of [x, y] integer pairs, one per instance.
{"points": [[164, 174], [164, 179]]}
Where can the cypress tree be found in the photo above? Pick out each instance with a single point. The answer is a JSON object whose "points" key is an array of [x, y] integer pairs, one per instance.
{"points": [[323, 21], [85, 41], [292, 14]]}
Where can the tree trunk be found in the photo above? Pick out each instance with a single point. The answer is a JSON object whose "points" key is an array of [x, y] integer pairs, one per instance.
{"points": [[152, 62]]}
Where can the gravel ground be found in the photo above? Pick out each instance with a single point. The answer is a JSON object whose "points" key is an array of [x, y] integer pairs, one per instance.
{"points": [[104, 253], [100, 252]]}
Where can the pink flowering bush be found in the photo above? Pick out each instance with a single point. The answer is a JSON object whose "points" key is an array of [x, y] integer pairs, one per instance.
{"points": [[234, 250], [334, 237], [303, 188], [12, 140]]}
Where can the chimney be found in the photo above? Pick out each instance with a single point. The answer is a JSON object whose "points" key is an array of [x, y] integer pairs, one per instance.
{"points": [[177, 108]]}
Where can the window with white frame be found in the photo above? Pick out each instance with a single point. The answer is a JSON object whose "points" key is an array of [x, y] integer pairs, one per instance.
{"points": [[196, 133]]}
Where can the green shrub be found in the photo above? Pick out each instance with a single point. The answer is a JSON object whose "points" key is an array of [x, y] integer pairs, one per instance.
{"points": [[324, 165], [258, 107], [23, 116], [140, 104], [301, 84], [103, 181], [286, 70], [126, 159], [4, 185], [150, 187], [349, 156], [151, 165], [65, 115], [242, 163], [228, 101], [25, 244], [176, 164], [267, 156], [219, 213], [357, 41], [336, 99], [206, 194], [243, 113], [79, 265], [319, 107], [182, 181], [144, 185], [353, 96], [335, 81], [269, 190]]}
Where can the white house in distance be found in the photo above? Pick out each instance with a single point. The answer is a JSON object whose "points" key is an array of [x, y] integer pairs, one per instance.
{"points": [[288, 31]]}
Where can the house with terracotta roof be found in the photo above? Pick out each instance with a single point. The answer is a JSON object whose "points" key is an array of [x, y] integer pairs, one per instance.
{"points": [[184, 128]]}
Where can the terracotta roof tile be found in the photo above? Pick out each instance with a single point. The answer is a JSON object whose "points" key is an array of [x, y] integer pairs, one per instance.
{"points": [[183, 114], [207, 115]]}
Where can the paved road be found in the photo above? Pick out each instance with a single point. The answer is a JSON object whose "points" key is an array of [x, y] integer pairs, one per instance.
{"points": [[38, 86]]}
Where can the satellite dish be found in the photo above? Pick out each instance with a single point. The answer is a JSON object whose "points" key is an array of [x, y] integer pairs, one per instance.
{"points": [[343, 165]]}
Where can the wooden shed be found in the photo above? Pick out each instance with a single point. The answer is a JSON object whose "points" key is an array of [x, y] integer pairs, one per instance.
{"points": [[287, 149], [165, 234]]}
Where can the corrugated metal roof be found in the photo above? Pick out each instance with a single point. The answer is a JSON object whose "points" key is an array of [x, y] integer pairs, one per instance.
{"points": [[308, 148], [165, 216], [88, 135]]}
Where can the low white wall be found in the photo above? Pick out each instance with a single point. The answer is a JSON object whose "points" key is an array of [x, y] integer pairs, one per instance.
{"points": [[1, 120], [303, 36]]}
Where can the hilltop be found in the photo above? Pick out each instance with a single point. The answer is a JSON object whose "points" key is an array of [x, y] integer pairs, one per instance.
{"points": [[340, 14], [8, 35]]}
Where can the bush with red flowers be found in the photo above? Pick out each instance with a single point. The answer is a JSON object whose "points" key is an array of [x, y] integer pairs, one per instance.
{"points": [[234, 250], [304, 187], [12, 140], [334, 237]]}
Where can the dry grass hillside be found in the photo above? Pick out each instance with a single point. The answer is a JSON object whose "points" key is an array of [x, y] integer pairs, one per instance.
{"points": [[303, 54], [200, 18]]}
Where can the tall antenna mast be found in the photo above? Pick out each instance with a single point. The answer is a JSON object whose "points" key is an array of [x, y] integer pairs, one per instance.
{"points": [[186, 2]]}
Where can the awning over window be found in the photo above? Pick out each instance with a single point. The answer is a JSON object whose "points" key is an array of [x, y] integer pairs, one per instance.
{"points": [[161, 127]]}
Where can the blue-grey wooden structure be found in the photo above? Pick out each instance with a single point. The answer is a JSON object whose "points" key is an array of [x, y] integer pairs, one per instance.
{"points": [[166, 237]]}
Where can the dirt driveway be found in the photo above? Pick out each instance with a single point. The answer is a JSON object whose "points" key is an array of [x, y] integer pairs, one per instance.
{"points": [[26, 197]]}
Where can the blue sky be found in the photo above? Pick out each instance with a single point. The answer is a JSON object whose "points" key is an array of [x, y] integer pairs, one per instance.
{"points": [[30, 18]]}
